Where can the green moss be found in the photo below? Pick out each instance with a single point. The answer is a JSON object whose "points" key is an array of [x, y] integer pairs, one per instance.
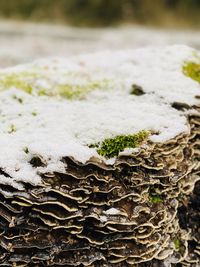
{"points": [[177, 244], [155, 199], [25, 81], [192, 70], [34, 113], [18, 80], [71, 91], [111, 147]]}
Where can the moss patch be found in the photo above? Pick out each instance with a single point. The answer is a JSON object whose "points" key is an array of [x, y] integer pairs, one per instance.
{"points": [[111, 147], [71, 91], [26, 81], [192, 70], [20, 81], [155, 199], [18, 99], [177, 244]]}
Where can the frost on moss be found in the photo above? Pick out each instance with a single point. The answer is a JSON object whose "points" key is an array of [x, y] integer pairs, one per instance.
{"points": [[192, 70], [78, 91], [20, 81], [27, 81], [111, 147]]}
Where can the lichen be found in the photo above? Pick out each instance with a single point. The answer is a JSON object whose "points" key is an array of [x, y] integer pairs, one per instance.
{"points": [[111, 147], [192, 70]]}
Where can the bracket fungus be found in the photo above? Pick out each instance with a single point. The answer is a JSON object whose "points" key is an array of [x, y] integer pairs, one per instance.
{"points": [[94, 174]]}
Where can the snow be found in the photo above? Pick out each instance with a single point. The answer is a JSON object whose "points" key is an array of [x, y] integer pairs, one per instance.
{"points": [[112, 211], [36, 40], [53, 127], [103, 218]]}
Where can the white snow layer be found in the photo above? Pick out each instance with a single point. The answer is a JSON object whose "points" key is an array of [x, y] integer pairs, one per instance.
{"points": [[112, 211], [53, 127]]}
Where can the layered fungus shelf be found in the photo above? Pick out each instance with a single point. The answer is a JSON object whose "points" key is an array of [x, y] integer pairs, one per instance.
{"points": [[100, 160]]}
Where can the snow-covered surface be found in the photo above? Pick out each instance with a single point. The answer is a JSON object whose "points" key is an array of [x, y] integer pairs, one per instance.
{"points": [[53, 127], [24, 41], [112, 211]]}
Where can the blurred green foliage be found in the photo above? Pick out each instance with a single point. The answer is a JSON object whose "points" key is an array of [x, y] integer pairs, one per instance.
{"points": [[104, 12]]}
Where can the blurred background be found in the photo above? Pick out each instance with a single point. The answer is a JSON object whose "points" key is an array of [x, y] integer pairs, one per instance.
{"points": [[31, 29]]}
